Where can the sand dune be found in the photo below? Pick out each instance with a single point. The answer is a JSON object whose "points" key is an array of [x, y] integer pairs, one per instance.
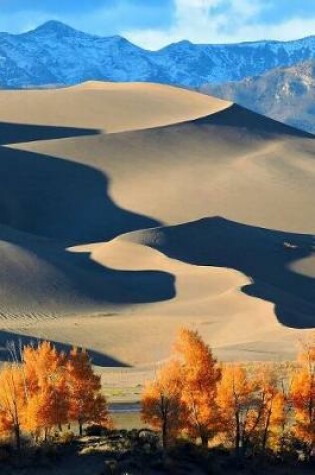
{"points": [[109, 107], [128, 210], [258, 172], [261, 254], [207, 298]]}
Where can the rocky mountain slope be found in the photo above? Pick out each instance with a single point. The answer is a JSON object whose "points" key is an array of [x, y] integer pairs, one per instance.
{"points": [[56, 54], [285, 94]]}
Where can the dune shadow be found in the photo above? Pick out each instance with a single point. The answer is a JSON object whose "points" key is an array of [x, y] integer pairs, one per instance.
{"points": [[86, 278], [19, 341], [12, 133], [264, 255], [57, 198], [238, 117], [48, 204]]}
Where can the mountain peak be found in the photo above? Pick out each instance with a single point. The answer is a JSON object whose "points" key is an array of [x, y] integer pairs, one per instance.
{"points": [[55, 27], [182, 44]]}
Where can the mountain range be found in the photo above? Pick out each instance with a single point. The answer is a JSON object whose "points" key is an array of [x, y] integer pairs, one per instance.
{"points": [[285, 94], [128, 210], [56, 54]]}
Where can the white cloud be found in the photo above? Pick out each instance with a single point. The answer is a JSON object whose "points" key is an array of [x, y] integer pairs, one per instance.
{"points": [[204, 21]]}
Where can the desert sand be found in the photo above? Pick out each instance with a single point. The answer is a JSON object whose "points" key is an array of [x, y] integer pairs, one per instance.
{"points": [[129, 210]]}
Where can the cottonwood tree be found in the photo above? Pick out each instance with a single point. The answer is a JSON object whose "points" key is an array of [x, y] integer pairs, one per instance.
{"points": [[12, 401], [302, 394], [235, 399], [162, 405], [86, 404], [47, 403], [46, 389], [200, 376], [268, 412]]}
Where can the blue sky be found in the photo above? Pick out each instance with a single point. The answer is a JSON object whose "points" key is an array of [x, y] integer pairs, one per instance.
{"points": [[155, 23]]}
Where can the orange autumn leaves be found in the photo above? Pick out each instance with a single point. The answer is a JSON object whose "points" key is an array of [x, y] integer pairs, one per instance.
{"points": [[200, 373], [183, 395], [162, 406], [48, 389], [248, 407], [87, 404], [251, 407], [303, 395]]}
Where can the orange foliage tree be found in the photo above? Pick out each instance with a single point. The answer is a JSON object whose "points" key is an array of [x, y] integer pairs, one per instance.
{"points": [[235, 395], [86, 403], [278, 423], [162, 406], [47, 392], [200, 374], [251, 407], [268, 409], [248, 405], [12, 401], [47, 389], [302, 394]]}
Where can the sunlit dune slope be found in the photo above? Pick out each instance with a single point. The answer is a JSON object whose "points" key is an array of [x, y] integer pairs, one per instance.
{"points": [[232, 163], [109, 107]]}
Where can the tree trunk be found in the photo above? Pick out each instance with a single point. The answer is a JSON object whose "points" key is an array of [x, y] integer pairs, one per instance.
{"points": [[237, 436], [265, 434], [164, 435], [204, 441], [17, 436], [80, 428]]}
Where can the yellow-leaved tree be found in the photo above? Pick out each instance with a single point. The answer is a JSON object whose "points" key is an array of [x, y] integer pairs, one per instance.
{"points": [[162, 406], [12, 401], [47, 393], [201, 374], [235, 399], [86, 402], [265, 429], [43, 389], [302, 395]]}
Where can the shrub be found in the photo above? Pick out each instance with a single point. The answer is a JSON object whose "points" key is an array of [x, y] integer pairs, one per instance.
{"points": [[66, 437]]}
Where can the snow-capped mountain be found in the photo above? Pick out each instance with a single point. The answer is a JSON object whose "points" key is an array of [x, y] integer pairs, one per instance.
{"points": [[56, 54], [284, 94]]}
